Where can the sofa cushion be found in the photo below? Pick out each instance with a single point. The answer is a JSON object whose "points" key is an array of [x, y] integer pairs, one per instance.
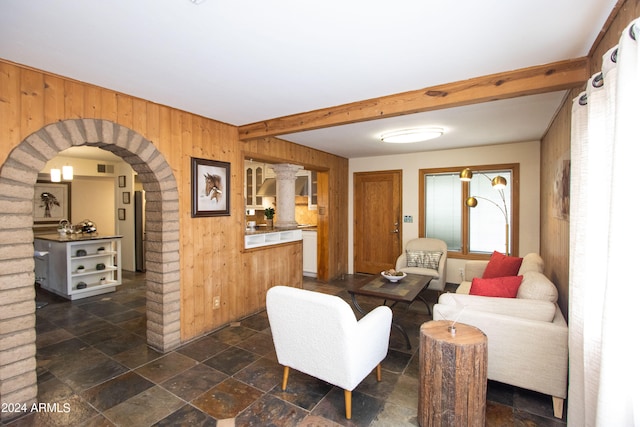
{"points": [[503, 287], [501, 265], [423, 259], [543, 311], [422, 271], [464, 288], [536, 286], [531, 262]]}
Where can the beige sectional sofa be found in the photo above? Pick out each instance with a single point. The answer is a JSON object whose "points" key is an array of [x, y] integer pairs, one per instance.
{"points": [[527, 335]]}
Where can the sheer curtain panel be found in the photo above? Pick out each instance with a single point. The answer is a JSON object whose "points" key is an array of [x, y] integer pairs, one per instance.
{"points": [[604, 296]]}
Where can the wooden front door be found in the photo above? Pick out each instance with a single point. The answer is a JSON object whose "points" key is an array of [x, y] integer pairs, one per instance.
{"points": [[377, 210]]}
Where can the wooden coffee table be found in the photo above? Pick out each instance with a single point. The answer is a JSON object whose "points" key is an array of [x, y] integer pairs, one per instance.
{"points": [[406, 290]]}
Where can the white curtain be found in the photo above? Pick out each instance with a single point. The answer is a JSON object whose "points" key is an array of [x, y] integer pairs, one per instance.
{"points": [[604, 285]]}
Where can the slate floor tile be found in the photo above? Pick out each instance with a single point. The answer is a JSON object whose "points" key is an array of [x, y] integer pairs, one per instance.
{"points": [[194, 381], [227, 399], [232, 360], [116, 390], [145, 409], [165, 367]]}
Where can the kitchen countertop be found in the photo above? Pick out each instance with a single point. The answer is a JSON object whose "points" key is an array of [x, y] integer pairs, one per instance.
{"points": [[73, 237], [262, 229]]}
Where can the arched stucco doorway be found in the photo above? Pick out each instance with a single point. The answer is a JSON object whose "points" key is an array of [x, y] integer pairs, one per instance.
{"points": [[18, 175]]}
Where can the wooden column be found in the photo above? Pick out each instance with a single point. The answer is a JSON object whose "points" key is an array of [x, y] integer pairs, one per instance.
{"points": [[453, 375]]}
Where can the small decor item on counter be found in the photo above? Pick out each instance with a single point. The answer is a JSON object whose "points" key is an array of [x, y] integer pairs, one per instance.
{"points": [[64, 227], [268, 214], [80, 269], [100, 266], [251, 224], [81, 285], [81, 252], [103, 280], [393, 275], [87, 226]]}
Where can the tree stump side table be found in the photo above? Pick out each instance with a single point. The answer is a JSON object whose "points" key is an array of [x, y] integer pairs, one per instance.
{"points": [[453, 375]]}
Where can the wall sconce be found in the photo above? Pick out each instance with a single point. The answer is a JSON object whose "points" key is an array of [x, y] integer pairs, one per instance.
{"points": [[55, 175], [67, 173], [499, 183]]}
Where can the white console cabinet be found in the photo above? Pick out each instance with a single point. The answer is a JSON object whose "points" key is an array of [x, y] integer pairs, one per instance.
{"points": [[78, 266]]}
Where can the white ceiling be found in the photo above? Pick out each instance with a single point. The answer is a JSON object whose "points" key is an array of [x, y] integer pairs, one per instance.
{"points": [[243, 61]]}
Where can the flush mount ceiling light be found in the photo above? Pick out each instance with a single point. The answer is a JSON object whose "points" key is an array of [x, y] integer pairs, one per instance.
{"points": [[407, 136]]}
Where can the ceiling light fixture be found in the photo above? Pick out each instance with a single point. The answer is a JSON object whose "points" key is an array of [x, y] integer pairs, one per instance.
{"points": [[407, 136]]}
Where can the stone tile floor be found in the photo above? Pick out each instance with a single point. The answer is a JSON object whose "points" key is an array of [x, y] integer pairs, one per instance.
{"points": [[94, 364]]}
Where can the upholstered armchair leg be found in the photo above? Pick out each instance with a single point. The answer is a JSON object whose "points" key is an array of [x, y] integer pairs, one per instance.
{"points": [[347, 404], [379, 372], [285, 377], [558, 406]]}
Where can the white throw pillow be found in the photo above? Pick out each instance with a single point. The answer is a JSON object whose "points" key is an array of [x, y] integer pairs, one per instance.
{"points": [[536, 286], [423, 259]]}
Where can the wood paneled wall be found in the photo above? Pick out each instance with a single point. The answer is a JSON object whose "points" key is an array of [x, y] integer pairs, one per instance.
{"points": [[212, 257], [554, 239]]}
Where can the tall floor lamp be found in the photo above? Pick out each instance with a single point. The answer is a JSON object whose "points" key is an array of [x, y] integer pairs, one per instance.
{"points": [[499, 183]]}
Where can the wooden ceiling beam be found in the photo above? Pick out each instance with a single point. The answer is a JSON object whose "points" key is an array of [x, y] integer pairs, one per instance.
{"points": [[552, 77]]}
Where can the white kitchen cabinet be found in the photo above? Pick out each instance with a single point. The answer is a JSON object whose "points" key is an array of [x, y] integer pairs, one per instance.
{"points": [[313, 190], [58, 260], [310, 253], [254, 176]]}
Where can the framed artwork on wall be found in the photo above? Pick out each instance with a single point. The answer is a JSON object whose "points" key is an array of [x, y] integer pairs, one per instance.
{"points": [[209, 187], [561, 188], [122, 214], [126, 197], [122, 181], [51, 202]]}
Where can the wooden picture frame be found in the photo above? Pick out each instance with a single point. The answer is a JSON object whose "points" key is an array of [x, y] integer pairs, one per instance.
{"points": [[122, 181], [51, 202], [210, 182], [126, 197], [122, 214]]}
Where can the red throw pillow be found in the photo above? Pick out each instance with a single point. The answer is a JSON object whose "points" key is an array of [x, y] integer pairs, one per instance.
{"points": [[501, 265], [504, 287]]}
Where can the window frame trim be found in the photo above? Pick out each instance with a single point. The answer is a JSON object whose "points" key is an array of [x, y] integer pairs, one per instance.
{"points": [[514, 220]]}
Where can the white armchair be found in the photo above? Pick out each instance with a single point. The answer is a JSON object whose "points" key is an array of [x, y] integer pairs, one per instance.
{"points": [[418, 254], [319, 335]]}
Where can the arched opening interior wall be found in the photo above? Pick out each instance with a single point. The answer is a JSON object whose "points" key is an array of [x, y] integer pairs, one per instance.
{"points": [[18, 175]]}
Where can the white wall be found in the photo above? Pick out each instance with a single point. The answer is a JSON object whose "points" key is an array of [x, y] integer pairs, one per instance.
{"points": [[92, 198], [525, 153], [126, 228]]}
